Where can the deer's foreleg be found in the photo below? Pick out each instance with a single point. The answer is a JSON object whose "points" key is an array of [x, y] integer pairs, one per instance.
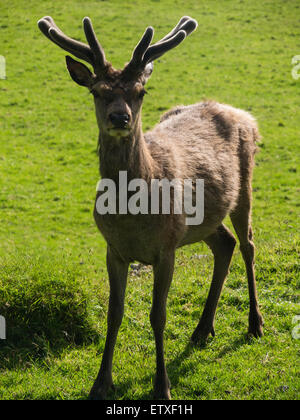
{"points": [[163, 273], [117, 271]]}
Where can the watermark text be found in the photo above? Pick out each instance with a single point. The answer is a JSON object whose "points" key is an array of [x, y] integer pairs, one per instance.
{"points": [[2, 328], [2, 67], [161, 196], [296, 68], [296, 329]]}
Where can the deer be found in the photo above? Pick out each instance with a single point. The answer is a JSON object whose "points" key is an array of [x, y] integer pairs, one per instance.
{"points": [[207, 140]]}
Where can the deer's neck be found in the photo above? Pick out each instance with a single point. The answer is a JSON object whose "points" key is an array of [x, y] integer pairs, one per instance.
{"points": [[129, 154]]}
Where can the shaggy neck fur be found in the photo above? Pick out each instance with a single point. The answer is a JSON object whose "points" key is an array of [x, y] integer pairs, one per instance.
{"points": [[129, 154]]}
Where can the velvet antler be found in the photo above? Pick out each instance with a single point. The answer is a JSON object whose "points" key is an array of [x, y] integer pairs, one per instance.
{"points": [[93, 53], [144, 53]]}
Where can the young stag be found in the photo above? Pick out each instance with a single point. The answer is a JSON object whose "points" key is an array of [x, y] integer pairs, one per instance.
{"points": [[208, 141]]}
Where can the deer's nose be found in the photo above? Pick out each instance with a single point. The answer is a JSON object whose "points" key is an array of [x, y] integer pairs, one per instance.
{"points": [[119, 120]]}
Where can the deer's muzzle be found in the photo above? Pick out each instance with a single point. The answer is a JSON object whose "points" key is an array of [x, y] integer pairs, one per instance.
{"points": [[119, 120]]}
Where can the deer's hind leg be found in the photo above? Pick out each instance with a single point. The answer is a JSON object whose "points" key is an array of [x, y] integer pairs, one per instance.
{"points": [[222, 244], [241, 220]]}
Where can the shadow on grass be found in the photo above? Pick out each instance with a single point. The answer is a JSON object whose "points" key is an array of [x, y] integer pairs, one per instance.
{"points": [[34, 336], [176, 368], [44, 313]]}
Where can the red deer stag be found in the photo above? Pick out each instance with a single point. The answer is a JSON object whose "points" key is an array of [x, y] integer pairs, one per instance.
{"points": [[208, 141]]}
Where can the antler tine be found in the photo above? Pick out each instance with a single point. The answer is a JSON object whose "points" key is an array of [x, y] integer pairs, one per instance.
{"points": [[144, 53], [185, 27], [94, 43], [77, 48], [175, 29], [142, 46], [186, 24], [158, 49]]}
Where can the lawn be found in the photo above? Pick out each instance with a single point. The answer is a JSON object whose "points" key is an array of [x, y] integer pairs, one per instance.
{"points": [[53, 281]]}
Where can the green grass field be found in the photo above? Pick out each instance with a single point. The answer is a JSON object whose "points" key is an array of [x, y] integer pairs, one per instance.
{"points": [[53, 281]]}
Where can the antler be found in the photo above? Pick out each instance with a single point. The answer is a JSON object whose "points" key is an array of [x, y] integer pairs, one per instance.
{"points": [[144, 53], [92, 53]]}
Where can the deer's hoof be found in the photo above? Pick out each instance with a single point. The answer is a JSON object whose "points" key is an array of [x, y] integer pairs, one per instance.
{"points": [[162, 394], [162, 390], [256, 325], [200, 336], [100, 391]]}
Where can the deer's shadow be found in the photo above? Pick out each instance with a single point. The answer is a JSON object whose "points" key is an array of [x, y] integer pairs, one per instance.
{"points": [[177, 367]]}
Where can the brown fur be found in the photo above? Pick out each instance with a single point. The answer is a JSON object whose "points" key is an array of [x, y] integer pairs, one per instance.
{"points": [[208, 141]]}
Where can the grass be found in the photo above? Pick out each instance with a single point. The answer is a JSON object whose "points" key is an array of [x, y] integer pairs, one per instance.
{"points": [[53, 282]]}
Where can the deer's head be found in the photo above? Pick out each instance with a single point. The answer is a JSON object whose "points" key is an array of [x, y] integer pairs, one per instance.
{"points": [[118, 94]]}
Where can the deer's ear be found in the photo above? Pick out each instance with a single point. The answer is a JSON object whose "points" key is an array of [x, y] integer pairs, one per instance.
{"points": [[79, 72], [147, 72]]}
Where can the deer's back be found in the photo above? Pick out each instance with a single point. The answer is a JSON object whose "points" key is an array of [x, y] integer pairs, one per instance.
{"points": [[208, 141]]}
